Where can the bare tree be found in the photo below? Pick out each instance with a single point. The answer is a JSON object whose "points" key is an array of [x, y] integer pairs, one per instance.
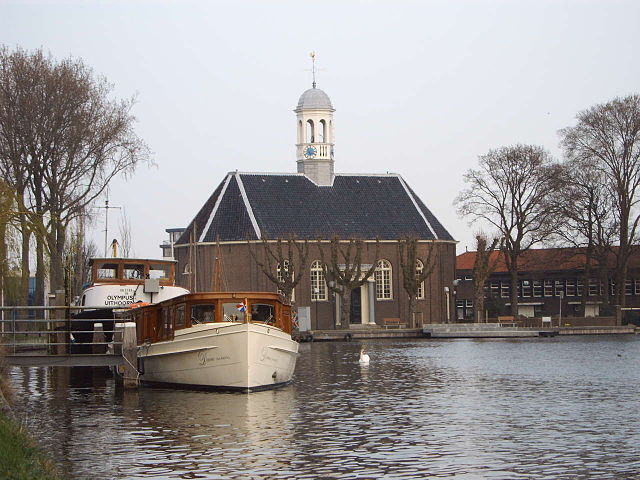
{"points": [[413, 277], [586, 218], [283, 263], [343, 270], [125, 236], [608, 135], [483, 267], [510, 191], [78, 252], [60, 130]]}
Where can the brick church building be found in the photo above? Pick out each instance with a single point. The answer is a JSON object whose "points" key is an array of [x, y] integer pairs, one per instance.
{"points": [[318, 204]]}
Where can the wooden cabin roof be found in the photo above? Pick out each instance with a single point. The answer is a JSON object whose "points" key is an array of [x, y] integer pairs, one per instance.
{"points": [[250, 205]]}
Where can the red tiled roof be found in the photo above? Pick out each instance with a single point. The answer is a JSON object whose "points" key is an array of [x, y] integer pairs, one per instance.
{"points": [[542, 259]]}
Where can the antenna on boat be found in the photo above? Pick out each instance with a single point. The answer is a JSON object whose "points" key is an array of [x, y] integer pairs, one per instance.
{"points": [[106, 222]]}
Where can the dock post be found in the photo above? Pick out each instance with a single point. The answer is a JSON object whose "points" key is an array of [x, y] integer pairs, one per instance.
{"points": [[129, 369]]}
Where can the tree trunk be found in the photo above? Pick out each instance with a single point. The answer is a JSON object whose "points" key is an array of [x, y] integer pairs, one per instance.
{"points": [[40, 271], [479, 306], [23, 296], [412, 311], [56, 247], [345, 309], [514, 289]]}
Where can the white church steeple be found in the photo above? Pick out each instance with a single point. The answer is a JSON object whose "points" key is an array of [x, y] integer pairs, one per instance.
{"points": [[315, 134]]}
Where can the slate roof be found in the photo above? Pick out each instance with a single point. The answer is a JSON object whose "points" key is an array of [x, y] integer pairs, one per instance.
{"points": [[249, 205]]}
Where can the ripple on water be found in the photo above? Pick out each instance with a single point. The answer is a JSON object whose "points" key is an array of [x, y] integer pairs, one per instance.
{"points": [[561, 408]]}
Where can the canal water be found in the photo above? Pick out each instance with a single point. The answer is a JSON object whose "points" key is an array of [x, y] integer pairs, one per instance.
{"points": [[556, 408]]}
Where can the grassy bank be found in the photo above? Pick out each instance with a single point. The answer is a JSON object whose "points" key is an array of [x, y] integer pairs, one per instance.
{"points": [[20, 458]]}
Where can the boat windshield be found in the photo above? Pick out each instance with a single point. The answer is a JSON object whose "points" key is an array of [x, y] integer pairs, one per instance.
{"points": [[232, 312], [263, 312], [108, 270], [133, 271], [203, 313], [159, 271]]}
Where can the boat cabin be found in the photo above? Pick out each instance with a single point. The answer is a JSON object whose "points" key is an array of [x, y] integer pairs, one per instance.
{"points": [[158, 322], [131, 271]]}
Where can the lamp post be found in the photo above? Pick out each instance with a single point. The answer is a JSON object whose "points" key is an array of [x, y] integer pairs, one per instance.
{"points": [[316, 291], [446, 292]]}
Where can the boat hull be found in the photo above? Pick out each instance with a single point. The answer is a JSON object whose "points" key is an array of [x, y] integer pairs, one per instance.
{"points": [[226, 355]]}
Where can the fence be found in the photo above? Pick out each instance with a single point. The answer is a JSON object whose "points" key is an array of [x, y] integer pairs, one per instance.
{"points": [[57, 330]]}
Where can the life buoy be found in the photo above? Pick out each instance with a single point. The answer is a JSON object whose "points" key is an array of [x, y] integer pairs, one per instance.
{"points": [[139, 304]]}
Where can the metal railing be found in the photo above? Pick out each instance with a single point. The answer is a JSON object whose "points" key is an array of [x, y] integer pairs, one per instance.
{"points": [[56, 331]]}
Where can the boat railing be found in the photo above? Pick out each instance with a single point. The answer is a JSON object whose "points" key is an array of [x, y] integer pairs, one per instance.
{"points": [[56, 330]]}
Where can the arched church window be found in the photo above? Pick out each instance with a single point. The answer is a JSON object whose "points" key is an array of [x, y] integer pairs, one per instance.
{"points": [[419, 269], [318, 284], [322, 134], [311, 134], [281, 269], [383, 280]]}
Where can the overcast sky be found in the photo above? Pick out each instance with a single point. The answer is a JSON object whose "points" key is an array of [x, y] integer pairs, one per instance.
{"points": [[420, 88]]}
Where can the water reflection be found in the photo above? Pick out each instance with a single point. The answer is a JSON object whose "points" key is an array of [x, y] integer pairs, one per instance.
{"points": [[548, 408]]}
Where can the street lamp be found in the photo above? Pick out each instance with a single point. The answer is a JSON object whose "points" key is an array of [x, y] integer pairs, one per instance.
{"points": [[446, 292]]}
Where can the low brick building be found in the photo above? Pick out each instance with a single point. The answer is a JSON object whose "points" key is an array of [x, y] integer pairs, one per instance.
{"points": [[550, 281]]}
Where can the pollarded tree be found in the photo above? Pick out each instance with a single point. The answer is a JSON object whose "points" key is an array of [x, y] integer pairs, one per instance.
{"points": [[511, 192], [344, 272], [414, 270], [283, 262], [608, 136]]}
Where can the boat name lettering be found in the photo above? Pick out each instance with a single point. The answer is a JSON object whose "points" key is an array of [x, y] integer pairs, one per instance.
{"points": [[119, 300], [203, 358]]}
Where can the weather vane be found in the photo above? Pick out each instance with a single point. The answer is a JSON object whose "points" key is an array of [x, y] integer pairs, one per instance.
{"points": [[313, 67]]}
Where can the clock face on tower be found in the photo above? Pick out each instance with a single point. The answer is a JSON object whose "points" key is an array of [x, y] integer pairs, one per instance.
{"points": [[310, 152]]}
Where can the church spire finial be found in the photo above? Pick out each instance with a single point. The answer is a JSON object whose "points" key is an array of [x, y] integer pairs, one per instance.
{"points": [[313, 67]]}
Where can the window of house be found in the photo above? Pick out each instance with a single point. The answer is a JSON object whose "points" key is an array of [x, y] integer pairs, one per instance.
{"points": [[636, 287], [612, 287], [558, 288], [628, 287], [318, 284], [468, 309], [580, 288], [495, 289], [537, 288], [594, 287], [526, 288], [468, 278], [505, 289], [280, 273], [571, 288], [419, 269], [383, 280], [460, 309], [548, 288]]}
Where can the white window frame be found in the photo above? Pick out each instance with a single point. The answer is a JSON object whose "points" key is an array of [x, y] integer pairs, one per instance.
{"points": [[570, 288], [319, 289], [384, 280], [505, 289], [536, 288], [419, 270], [548, 288], [279, 275]]}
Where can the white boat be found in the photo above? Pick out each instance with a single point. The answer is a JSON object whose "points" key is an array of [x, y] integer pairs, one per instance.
{"points": [[218, 340], [119, 282]]}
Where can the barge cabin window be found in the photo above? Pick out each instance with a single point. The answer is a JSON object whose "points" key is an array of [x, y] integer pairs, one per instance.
{"points": [[203, 313], [232, 313]]}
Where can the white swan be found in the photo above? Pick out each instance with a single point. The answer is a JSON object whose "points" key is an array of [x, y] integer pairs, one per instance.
{"points": [[364, 358]]}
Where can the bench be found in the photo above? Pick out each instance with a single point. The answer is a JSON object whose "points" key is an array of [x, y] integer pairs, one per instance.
{"points": [[392, 322], [507, 321]]}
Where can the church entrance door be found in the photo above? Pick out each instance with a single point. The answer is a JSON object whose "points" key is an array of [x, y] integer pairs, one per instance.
{"points": [[356, 306]]}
